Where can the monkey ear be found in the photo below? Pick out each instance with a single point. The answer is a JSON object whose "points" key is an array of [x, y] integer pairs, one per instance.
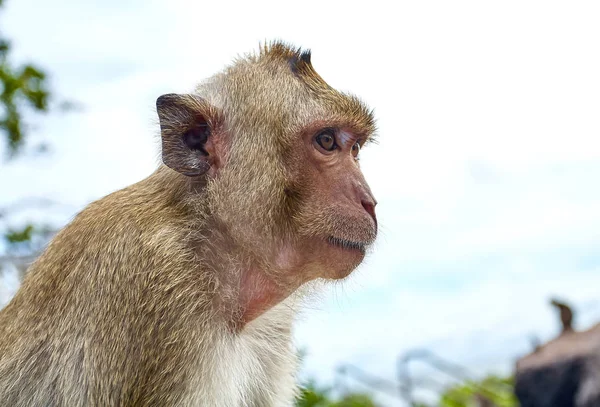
{"points": [[186, 124]]}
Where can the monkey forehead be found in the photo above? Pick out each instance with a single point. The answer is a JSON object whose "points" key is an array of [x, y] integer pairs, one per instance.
{"points": [[279, 88]]}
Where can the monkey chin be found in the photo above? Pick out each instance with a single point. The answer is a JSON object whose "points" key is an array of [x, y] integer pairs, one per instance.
{"points": [[343, 256]]}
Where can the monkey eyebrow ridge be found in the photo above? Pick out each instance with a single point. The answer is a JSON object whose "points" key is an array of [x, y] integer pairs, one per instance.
{"points": [[347, 138]]}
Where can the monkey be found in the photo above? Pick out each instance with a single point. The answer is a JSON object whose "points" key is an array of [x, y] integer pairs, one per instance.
{"points": [[566, 315], [182, 289]]}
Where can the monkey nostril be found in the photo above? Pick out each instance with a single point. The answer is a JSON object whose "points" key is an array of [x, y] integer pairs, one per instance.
{"points": [[370, 208]]}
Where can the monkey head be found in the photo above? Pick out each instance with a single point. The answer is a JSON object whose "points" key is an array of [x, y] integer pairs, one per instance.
{"points": [[274, 150]]}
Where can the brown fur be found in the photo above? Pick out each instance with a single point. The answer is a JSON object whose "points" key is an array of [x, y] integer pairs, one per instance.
{"points": [[182, 288]]}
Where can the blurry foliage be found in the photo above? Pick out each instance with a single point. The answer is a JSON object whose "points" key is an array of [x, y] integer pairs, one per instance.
{"points": [[23, 88], [492, 389], [314, 396], [19, 86], [27, 239], [19, 236]]}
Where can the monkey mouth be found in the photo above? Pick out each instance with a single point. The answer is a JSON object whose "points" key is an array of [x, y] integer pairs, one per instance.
{"points": [[347, 244]]}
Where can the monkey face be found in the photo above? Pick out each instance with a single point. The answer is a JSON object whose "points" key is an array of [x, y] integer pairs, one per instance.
{"points": [[278, 149], [336, 217]]}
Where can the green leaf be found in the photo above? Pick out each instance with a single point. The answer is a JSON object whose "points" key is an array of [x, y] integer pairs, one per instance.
{"points": [[19, 236], [19, 87]]}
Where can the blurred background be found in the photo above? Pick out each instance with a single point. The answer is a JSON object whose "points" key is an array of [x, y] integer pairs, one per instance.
{"points": [[486, 170]]}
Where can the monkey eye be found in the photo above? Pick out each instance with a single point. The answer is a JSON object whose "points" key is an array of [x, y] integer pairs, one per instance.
{"points": [[326, 139], [355, 149]]}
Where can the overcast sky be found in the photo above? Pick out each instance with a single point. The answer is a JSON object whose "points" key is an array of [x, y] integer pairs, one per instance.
{"points": [[486, 171]]}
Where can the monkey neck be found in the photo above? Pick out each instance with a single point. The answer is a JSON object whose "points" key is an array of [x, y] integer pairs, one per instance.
{"points": [[257, 294], [249, 291], [247, 287]]}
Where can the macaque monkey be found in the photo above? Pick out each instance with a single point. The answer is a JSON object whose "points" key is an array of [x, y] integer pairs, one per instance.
{"points": [[181, 290]]}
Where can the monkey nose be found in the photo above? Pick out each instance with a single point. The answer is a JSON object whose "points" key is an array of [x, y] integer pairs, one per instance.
{"points": [[369, 205]]}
